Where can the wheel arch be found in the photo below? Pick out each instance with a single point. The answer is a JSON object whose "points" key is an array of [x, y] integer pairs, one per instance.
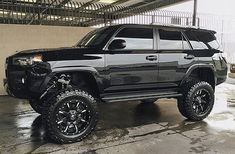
{"points": [[204, 72], [90, 74]]}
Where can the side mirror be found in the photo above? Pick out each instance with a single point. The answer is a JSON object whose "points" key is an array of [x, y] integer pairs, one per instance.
{"points": [[117, 44]]}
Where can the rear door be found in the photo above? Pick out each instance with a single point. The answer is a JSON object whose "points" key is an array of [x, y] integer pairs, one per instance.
{"points": [[174, 56], [135, 66]]}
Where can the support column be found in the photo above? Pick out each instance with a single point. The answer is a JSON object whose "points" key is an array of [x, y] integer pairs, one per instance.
{"points": [[194, 12]]}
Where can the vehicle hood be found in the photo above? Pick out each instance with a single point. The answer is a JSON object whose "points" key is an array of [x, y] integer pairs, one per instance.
{"points": [[45, 50], [42, 50], [64, 53]]}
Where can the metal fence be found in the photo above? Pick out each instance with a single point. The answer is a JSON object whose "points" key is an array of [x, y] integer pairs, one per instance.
{"points": [[70, 13], [156, 16], [53, 12]]}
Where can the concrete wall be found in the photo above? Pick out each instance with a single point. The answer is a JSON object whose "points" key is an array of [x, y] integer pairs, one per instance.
{"points": [[19, 37]]}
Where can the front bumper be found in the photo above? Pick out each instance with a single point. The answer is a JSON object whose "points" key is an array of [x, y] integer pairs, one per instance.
{"points": [[25, 81], [6, 87]]}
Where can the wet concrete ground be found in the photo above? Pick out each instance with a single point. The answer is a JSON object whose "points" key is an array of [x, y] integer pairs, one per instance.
{"points": [[128, 127]]}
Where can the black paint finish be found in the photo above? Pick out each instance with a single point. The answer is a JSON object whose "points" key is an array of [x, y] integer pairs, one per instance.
{"points": [[118, 70]]}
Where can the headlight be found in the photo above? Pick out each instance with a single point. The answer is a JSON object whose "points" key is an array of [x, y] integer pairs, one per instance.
{"points": [[27, 60]]}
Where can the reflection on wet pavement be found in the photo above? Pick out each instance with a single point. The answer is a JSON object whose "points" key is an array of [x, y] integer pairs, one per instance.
{"points": [[127, 127]]}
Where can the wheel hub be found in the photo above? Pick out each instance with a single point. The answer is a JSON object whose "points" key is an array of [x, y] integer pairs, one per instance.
{"points": [[201, 101], [73, 114]]}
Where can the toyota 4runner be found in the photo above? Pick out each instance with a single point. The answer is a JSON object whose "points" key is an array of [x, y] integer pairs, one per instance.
{"points": [[117, 64]]}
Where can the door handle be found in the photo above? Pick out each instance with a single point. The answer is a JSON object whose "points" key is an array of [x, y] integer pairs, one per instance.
{"points": [[189, 57], [151, 58]]}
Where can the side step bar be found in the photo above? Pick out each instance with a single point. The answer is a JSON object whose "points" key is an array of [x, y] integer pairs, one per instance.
{"points": [[132, 97]]}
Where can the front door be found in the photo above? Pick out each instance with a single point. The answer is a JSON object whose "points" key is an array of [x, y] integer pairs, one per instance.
{"points": [[135, 66]]}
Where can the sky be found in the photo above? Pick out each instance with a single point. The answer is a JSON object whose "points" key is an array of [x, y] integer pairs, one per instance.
{"points": [[216, 7]]}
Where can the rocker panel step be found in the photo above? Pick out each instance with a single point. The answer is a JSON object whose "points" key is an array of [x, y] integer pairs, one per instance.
{"points": [[118, 97]]}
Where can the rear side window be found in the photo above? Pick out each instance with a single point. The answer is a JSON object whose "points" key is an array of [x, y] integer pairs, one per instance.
{"points": [[172, 40], [202, 40], [137, 38]]}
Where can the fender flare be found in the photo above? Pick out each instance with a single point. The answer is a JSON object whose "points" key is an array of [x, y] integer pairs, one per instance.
{"points": [[90, 70], [196, 66]]}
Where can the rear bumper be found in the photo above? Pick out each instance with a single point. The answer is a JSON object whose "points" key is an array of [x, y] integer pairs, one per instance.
{"points": [[221, 80], [221, 67]]}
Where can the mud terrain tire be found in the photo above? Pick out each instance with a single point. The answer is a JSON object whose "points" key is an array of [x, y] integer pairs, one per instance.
{"points": [[71, 116], [197, 100]]}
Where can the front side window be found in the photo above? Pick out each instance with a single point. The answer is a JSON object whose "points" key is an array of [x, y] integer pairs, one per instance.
{"points": [[136, 38], [172, 40], [96, 38]]}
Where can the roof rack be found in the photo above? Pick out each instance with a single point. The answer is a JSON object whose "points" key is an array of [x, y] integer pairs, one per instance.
{"points": [[174, 25]]}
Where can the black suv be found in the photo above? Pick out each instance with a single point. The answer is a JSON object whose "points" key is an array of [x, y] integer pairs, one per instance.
{"points": [[114, 64]]}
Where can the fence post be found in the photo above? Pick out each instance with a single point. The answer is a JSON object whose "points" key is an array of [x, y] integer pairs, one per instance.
{"points": [[194, 12], [222, 32], [105, 24], [198, 22], [153, 19]]}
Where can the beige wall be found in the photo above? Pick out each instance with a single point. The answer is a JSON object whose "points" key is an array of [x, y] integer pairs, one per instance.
{"points": [[19, 37]]}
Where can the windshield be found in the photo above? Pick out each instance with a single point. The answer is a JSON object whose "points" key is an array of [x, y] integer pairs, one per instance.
{"points": [[95, 38]]}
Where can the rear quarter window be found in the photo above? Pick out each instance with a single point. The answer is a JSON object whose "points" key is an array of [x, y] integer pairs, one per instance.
{"points": [[202, 40]]}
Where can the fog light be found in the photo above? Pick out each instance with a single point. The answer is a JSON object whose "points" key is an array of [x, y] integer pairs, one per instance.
{"points": [[23, 80]]}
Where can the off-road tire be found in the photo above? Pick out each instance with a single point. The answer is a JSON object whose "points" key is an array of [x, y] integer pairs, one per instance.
{"points": [[63, 97], [36, 105], [185, 103], [183, 89]]}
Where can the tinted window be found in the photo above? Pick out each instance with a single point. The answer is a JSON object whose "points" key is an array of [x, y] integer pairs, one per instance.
{"points": [[202, 40], [137, 38], [172, 40], [96, 37], [196, 44]]}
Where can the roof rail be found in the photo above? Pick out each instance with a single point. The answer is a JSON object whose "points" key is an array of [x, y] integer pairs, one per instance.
{"points": [[174, 25]]}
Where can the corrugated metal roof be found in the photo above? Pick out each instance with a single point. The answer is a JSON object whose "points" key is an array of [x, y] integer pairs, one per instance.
{"points": [[74, 12]]}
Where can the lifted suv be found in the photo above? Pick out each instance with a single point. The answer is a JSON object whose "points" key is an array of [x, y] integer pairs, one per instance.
{"points": [[118, 63]]}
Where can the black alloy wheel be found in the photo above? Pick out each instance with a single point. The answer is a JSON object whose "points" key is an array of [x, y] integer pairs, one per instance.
{"points": [[201, 102], [71, 116], [197, 100]]}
